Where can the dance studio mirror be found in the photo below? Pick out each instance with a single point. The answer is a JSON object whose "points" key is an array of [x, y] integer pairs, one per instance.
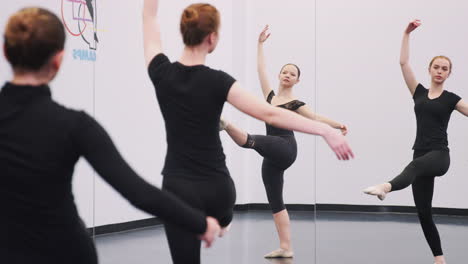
{"points": [[268, 158], [360, 83], [104, 73], [127, 107]]}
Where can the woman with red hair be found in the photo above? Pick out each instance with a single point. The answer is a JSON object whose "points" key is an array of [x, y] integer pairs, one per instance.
{"points": [[433, 108], [191, 97]]}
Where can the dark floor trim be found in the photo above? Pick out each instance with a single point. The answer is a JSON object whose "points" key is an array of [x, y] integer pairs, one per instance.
{"points": [[262, 207], [388, 209], [120, 227]]}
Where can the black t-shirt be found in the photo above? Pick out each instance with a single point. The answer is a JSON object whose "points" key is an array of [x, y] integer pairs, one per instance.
{"points": [[293, 106], [40, 143], [432, 117], [191, 99]]}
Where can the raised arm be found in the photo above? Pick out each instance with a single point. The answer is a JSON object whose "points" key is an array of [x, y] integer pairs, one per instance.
{"points": [[151, 31], [408, 74], [462, 107], [308, 113], [286, 119], [95, 145], [261, 66]]}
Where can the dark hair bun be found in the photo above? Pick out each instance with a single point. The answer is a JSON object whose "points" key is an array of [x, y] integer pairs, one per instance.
{"points": [[32, 36]]}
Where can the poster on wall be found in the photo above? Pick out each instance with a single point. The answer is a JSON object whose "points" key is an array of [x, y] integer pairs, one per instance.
{"points": [[80, 19]]}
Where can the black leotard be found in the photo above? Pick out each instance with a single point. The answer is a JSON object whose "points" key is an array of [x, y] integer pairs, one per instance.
{"points": [[279, 149]]}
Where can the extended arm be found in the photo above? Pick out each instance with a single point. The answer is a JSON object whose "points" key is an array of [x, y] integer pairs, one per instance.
{"points": [[95, 145], [408, 74], [286, 119], [261, 66], [151, 31], [308, 113]]}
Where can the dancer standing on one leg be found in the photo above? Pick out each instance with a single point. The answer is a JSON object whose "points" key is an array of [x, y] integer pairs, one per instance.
{"points": [[433, 108], [279, 147], [191, 97]]}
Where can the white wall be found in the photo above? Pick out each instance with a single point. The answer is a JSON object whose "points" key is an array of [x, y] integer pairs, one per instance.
{"points": [[359, 80]]}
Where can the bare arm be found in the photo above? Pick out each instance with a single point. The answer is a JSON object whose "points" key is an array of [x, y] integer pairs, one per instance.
{"points": [[408, 74], [151, 31], [282, 118], [261, 66], [308, 113], [462, 107]]}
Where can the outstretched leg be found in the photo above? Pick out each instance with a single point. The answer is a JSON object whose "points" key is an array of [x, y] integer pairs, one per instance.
{"points": [[420, 173], [280, 150], [238, 135], [424, 165]]}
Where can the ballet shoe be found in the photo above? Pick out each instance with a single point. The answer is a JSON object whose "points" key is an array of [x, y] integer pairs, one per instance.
{"points": [[222, 124], [280, 253], [224, 230], [374, 190]]}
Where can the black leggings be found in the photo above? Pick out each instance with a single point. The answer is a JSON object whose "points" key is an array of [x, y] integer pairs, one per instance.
{"points": [[279, 153], [214, 196], [421, 172]]}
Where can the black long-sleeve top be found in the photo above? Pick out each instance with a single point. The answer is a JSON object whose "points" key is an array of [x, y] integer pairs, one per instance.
{"points": [[40, 143]]}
